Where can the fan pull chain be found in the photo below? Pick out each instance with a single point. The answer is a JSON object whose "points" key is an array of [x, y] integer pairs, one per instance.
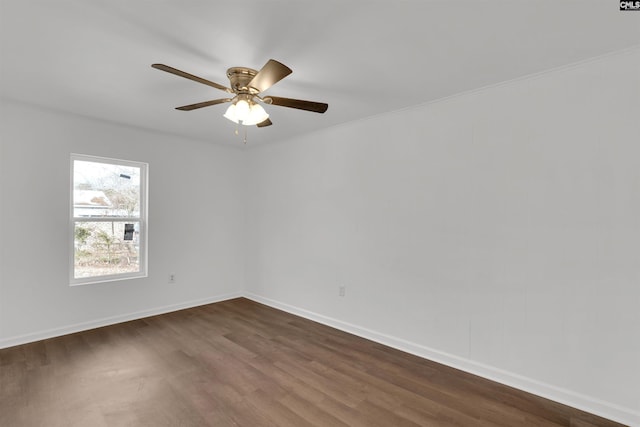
{"points": [[237, 131]]}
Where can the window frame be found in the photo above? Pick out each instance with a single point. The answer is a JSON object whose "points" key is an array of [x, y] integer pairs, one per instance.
{"points": [[142, 220]]}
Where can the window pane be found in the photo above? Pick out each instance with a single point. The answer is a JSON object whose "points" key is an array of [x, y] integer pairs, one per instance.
{"points": [[101, 189], [106, 248]]}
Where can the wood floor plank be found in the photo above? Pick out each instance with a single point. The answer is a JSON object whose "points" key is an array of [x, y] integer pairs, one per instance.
{"points": [[240, 363]]}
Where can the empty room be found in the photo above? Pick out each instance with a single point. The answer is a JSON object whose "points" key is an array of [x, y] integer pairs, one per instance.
{"points": [[319, 213]]}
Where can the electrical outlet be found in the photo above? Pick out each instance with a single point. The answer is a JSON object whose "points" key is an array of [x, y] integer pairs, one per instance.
{"points": [[342, 290], [172, 278]]}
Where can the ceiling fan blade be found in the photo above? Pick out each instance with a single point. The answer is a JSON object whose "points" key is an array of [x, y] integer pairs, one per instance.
{"points": [[203, 104], [267, 122], [271, 73], [190, 77], [316, 107]]}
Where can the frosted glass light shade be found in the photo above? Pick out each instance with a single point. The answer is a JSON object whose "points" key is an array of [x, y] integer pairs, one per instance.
{"points": [[242, 110], [231, 113], [246, 113]]}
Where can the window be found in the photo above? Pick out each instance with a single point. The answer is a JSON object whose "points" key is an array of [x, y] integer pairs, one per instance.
{"points": [[108, 219]]}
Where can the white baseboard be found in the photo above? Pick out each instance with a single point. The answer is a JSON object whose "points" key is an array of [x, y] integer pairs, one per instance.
{"points": [[106, 321], [567, 397]]}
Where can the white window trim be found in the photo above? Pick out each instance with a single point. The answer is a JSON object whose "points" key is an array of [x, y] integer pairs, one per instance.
{"points": [[144, 202]]}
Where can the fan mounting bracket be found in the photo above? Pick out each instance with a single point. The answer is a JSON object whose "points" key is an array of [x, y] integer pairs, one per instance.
{"points": [[240, 77]]}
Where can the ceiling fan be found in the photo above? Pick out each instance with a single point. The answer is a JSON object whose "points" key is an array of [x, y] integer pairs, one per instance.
{"points": [[246, 85]]}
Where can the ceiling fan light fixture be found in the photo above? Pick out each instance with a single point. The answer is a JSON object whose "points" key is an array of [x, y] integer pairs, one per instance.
{"points": [[246, 85], [246, 112]]}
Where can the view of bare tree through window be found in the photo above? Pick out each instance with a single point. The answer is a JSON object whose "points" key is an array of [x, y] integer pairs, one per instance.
{"points": [[106, 211]]}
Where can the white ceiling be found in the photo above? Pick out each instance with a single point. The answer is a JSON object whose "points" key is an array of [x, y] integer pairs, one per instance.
{"points": [[93, 57]]}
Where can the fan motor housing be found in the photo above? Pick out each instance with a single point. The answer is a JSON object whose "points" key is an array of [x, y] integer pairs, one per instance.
{"points": [[240, 77]]}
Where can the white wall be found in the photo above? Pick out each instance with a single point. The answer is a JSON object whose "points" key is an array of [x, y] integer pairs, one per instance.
{"points": [[498, 231], [195, 218]]}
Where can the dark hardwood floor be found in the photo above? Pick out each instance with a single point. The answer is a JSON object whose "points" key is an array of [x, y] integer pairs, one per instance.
{"points": [[240, 363]]}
